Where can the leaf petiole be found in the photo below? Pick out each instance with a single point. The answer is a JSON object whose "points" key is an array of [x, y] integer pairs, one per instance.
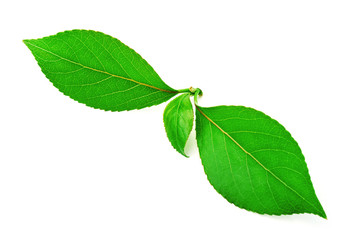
{"points": [[197, 93], [193, 91], [248, 157], [185, 90]]}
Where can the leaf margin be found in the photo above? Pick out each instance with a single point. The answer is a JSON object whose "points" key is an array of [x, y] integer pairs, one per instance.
{"points": [[173, 91], [178, 148], [198, 110]]}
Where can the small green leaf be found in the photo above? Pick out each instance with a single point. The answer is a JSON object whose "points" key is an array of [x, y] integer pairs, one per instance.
{"points": [[254, 162], [178, 121], [98, 70]]}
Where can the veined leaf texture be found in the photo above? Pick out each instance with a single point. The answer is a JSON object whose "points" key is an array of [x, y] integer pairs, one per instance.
{"points": [[254, 162], [248, 157], [98, 70], [178, 121]]}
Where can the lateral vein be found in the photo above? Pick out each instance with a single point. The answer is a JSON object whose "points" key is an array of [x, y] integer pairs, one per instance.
{"points": [[100, 71], [246, 152]]}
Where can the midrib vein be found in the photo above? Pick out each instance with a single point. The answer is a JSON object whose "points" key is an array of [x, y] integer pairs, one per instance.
{"points": [[266, 169], [100, 71]]}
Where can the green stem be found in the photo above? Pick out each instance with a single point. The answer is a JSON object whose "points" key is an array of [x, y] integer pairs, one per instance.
{"points": [[184, 90], [197, 93], [189, 90], [193, 91]]}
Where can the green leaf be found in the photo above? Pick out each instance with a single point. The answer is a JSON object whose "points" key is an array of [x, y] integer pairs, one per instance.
{"points": [[178, 121], [254, 162], [98, 70]]}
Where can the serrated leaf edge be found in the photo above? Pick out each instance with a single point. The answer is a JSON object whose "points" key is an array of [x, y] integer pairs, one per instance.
{"points": [[249, 154], [97, 70], [192, 125]]}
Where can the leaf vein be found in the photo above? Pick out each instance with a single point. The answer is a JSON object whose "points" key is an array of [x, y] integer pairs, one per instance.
{"points": [[256, 160], [97, 70]]}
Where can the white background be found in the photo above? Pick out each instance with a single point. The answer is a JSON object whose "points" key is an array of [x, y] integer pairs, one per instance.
{"points": [[71, 172]]}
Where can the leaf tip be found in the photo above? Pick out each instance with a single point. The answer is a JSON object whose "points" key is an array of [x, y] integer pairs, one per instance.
{"points": [[181, 152], [26, 42], [321, 213], [185, 155]]}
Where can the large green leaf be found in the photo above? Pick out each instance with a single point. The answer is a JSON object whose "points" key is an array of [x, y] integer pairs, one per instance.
{"points": [[99, 70], [254, 162], [178, 121]]}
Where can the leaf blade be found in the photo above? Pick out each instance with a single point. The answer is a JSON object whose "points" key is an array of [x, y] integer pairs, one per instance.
{"points": [[237, 169], [98, 70], [178, 121]]}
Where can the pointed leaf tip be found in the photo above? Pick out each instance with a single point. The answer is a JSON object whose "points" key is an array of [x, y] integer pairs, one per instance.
{"points": [[98, 70], [178, 121], [254, 162]]}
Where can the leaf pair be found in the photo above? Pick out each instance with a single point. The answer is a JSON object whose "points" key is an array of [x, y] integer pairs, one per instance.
{"points": [[248, 157]]}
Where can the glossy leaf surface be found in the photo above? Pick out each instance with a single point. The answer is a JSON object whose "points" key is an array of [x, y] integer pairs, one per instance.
{"points": [[98, 70], [254, 162], [178, 121]]}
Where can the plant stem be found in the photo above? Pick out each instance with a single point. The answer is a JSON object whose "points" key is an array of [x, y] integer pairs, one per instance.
{"points": [[184, 90], [197, 93], [193, 91]]}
